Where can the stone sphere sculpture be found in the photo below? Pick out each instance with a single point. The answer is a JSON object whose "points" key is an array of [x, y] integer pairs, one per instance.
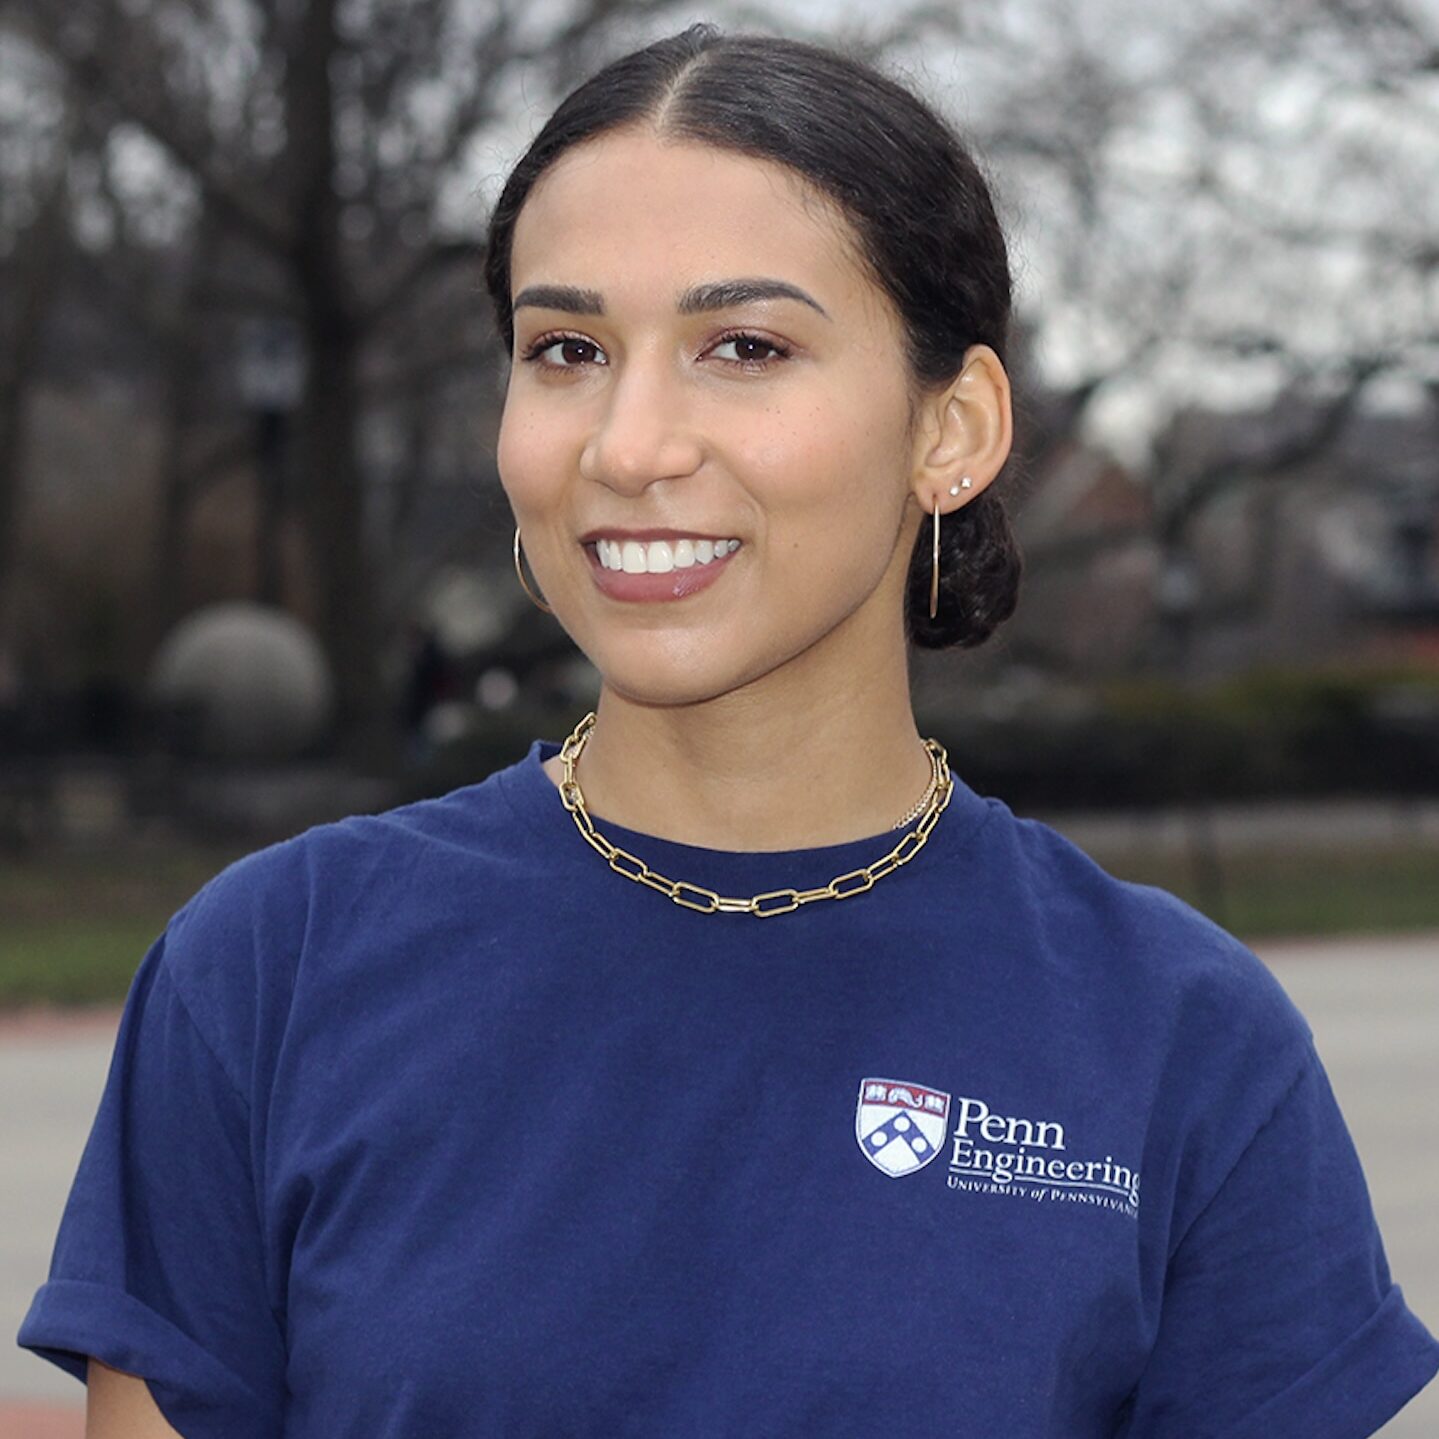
{"points": [[253, 679]]}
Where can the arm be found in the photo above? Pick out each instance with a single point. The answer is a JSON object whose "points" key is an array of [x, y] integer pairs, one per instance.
{"points": [[119, 1406], [160, 1267], [1280, 1317]]}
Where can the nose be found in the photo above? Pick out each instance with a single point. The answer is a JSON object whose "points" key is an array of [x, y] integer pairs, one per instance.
{"points": [[644, 432]]}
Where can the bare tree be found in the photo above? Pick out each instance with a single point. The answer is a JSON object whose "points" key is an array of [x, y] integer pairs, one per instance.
{"points": [[1229, 207], [34, 228], [317, 137], [1231, 194]]}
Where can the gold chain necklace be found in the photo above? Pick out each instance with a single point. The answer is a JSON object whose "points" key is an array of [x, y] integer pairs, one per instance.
{"points": [[773, 901]]}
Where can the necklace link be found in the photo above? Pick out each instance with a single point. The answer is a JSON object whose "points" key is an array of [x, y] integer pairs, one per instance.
{"points": [[773, 901]]}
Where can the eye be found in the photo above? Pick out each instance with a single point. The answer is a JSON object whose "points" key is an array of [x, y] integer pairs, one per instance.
{"points": [[574, 346], [746, 344]]}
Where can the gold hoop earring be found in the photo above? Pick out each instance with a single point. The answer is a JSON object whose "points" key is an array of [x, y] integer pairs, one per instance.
{"points": [[934, 572], [519, 570]]}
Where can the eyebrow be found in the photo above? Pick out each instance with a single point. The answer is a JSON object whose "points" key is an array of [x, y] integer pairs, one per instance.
{"points": [[716, 295]]}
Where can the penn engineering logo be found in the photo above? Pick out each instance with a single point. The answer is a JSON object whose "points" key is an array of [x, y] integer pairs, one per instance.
{"points": [[901, 1126]]}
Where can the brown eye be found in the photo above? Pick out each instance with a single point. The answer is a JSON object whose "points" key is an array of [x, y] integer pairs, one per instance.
{"points": [[750, 350], [575, 350]]}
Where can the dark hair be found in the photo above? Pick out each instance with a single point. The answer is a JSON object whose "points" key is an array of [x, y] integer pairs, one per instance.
{"points": [[921, 210]]}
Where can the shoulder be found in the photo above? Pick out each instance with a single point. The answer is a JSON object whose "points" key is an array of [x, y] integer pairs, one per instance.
{"points": [[1192, 1030], [1153, 957], [235, 949], [280, 883]]}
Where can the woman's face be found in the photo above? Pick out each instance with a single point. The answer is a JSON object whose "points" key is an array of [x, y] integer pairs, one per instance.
{"points": [[644, 398]]}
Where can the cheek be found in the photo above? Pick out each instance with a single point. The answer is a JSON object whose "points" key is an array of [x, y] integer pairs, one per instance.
{"points": [[511, 451], [805, 459], [528, 453], [835, 502], [826, 554], [826, 480]]}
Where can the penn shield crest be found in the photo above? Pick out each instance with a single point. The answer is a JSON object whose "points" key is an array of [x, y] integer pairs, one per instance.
{"points": [[900, 1125]]}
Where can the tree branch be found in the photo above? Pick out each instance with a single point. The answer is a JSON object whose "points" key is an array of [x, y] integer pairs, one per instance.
{"points": [[99, 78]]}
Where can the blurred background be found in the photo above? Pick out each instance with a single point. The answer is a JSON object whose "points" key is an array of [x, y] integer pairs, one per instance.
{"points": [[255, 566]]}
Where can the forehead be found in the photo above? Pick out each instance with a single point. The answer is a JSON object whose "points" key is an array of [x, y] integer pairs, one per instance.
{"points": [[639, 218]]}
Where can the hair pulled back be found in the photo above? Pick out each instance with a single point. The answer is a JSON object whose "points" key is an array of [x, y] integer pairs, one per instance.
{"points": [[914, 195]]}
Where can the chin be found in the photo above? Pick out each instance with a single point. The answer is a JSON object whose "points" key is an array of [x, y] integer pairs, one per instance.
{"points": [[644, 670], [662, 690]]}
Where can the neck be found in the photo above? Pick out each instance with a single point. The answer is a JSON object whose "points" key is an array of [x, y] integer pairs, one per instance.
{"points": [[770, 766]]}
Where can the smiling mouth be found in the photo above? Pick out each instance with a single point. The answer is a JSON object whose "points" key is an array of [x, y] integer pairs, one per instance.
{"points": [[658, 557], [677, 582]]}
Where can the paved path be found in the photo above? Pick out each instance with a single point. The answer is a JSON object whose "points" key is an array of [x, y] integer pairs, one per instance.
{"points": [[1373, 1005]]}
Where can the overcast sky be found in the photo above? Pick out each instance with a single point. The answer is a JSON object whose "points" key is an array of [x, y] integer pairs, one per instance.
{"points": [[1271, 186]]}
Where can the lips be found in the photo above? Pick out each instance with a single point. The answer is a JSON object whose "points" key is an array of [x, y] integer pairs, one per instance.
{"points": [[645, 535], [676, 584]]}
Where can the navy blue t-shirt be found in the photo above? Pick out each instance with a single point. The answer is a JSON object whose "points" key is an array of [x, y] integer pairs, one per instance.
{"points": [[428, 1124]]}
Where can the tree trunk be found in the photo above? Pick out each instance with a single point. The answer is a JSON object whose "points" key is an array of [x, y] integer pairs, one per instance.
{"points": [[178, 481], [330, 486], [329, 480], [34, 270]]}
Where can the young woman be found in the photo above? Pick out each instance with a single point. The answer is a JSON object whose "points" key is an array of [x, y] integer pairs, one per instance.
{"points": [[732, 1068]]}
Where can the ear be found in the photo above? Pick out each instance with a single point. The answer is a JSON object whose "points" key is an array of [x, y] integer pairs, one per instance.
{"points": [[964, 430]]}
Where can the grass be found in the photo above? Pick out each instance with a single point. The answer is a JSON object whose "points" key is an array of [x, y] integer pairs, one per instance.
{"points": [[73, 927], [1263, 894], [71, 961]]}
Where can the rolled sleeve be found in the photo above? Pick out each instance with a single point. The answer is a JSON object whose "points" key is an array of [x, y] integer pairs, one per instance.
{"points": [[157, 1268], [1279, 1317]]}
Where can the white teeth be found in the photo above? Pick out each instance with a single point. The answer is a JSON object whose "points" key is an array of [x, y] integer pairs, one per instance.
{"points": [[660, 556]]}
